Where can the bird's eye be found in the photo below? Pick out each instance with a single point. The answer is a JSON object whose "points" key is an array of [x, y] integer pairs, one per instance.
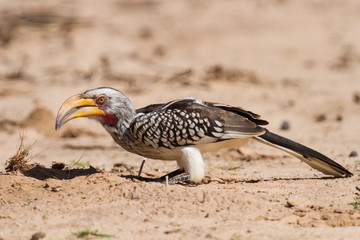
{"points": [[101, 100]]}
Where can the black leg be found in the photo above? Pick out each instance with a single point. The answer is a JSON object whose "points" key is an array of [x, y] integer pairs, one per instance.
{"points": [[141, 167]]}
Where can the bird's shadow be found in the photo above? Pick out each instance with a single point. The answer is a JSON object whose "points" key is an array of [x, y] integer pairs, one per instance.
{"points": [[142, 179], [230, 181], [42, 173]]}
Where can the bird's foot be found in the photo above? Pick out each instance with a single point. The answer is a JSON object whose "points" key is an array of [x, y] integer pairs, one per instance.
{"points": [[171, 175], [175, 177], [179, 178]]}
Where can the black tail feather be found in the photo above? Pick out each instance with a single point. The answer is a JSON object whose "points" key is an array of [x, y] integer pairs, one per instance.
{"points": [[313, 158]]}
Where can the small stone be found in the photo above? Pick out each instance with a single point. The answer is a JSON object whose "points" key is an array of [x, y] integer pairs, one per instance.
{"points": [[58, 165], [285, 125], [353, 154], [289, 204], [55, 189], [320, 117], [337, 211], [46, 185], [38, 235], [356, 97], [339, 118], [159, 51]]}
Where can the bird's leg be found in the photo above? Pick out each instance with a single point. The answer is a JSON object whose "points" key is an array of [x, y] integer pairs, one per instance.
{"points": [[171, 175], [141, 167]]}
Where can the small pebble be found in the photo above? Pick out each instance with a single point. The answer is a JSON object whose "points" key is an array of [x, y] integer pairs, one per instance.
{"points": [[320, 118], [285, 125], [339, 118], [38, 235], [337, 211], [58, 165], [208, 235], [55, 189], [289, 204], [325, 217], [353, 154], [356, 97]]}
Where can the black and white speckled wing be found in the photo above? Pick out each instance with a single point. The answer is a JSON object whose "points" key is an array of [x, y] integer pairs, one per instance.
{"points": [[191, 121]]}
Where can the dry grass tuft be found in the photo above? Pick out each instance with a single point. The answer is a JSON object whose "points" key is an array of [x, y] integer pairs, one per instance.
{"points": [[19, 162]]}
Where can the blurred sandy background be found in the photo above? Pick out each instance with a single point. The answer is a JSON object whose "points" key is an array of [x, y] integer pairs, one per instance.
{"points": [[294, 61]]}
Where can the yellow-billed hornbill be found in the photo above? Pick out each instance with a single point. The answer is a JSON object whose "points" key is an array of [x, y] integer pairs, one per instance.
{"points": [[182, 130]]}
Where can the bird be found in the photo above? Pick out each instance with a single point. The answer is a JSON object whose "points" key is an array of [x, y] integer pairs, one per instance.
{"points": [[182, 130]]}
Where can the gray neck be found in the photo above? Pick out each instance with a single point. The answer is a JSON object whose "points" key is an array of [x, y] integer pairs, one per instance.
{"points": [[124, 117], [124, 122], [120, 133]]}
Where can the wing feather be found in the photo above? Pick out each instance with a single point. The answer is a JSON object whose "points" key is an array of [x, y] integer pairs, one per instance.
{"points": [[192, 121]]}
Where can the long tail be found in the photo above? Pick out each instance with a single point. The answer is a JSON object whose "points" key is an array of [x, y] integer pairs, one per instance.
{"points": [[313, 158]]}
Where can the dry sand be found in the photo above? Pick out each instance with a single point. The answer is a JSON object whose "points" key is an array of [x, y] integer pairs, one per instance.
{"points": [[295, 61]]}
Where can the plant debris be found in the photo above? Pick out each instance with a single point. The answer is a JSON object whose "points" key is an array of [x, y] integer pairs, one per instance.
{"points": [[19, 162], [87, 233]]}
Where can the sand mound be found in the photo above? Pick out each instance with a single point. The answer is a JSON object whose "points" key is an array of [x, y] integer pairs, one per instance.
{"points": [[42, 120]]}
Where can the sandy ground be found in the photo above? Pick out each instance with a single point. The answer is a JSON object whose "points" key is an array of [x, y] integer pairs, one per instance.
{"points": [[294, 61]]}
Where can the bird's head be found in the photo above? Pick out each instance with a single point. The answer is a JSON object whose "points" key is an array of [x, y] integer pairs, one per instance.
{"points": [[107, 105]]}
